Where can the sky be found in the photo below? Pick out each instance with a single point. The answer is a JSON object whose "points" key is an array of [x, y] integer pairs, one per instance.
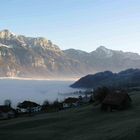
{"points": [[78, 24]]}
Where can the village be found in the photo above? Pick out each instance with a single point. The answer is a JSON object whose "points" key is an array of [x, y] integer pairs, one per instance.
{"points": [[108, 100]]}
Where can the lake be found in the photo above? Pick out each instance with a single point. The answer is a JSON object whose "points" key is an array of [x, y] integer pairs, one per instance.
{"points": [[34, 90]]}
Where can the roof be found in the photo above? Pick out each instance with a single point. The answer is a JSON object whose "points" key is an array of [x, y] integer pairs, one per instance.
{"points": [[27, 104], [116, 98], [71, 100]]}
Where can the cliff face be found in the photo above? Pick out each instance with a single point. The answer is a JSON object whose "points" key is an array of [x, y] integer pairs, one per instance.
{"points": [[33, 57], [38, 57]]}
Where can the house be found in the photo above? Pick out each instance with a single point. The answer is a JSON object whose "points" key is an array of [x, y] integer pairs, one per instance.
{"points": [[117, 100], [29, 107], [70, 102], [7, 112]]}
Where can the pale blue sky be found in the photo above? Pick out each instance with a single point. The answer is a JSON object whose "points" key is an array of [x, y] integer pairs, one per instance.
{"points": [[79, 24]]}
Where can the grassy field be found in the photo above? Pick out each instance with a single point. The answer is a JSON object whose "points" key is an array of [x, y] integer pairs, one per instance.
{"points": [[84, 123]]}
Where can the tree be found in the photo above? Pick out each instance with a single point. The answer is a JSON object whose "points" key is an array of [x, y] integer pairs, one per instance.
{"points": [[45, 106], [46, 103], [101, 93], [57, 105], [8, 103]]}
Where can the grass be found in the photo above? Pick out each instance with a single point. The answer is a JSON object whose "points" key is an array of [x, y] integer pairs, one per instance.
{"points": [[84, 123]]}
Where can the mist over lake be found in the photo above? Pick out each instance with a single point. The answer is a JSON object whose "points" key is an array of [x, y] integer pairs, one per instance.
{"points": [[34, 90]]}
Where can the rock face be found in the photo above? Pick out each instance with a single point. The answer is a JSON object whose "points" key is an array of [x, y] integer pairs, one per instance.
{"points": [[39, 58], [34, 57]]}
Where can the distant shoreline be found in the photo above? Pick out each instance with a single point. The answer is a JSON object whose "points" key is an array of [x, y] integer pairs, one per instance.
{"points": [[38, 79]]}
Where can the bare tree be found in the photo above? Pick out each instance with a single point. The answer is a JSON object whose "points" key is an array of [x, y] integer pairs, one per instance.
{"points": [[8, 102]]}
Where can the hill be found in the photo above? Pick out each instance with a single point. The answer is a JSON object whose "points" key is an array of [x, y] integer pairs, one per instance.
{"points": [[84, 123], [123, 79]]}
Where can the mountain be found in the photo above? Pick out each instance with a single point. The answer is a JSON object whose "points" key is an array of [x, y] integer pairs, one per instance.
{"points": [[127, 78], [38, 57], [103, 59], [34, 57]]}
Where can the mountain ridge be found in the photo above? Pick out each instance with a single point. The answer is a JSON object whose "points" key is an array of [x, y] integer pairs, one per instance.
{"points": [[22, 56], [125, 79]]}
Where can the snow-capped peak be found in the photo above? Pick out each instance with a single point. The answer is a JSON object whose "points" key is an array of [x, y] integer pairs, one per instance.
{"points": [[102, 48], [104, 51]]}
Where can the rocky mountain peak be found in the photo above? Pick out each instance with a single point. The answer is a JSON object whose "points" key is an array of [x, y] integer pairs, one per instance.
{"points": [[6, 34], [10, 39], [102, 48], [31, 56], [103, 51]]}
